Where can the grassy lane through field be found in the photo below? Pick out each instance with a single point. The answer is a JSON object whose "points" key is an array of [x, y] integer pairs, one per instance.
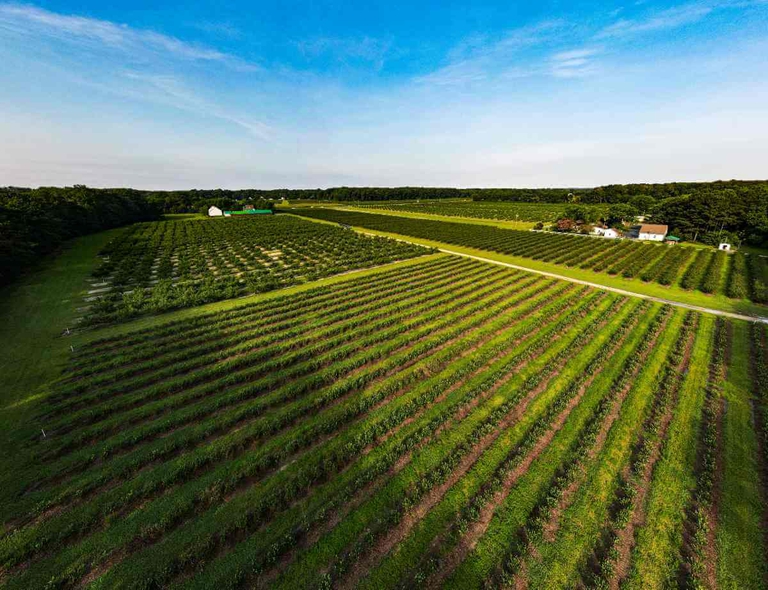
{"points": [[503, 224], [740, 540], [561, 562], [656, 556], [35, 312]]}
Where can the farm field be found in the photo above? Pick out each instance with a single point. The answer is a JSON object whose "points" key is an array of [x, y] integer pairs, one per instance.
{"points": [[737, 276], [164, 265], [439, 423], [497, 210]]}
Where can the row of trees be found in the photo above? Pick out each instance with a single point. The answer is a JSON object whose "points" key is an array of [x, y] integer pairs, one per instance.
{"points": [[35, 222], [711, 215]]}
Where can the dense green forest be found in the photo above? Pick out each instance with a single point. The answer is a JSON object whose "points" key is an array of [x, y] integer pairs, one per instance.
{"points": [[35, 222]]}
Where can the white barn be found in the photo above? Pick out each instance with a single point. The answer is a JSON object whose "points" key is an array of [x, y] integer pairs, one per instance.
{"points": [[606, 232], [655, 233], [215, 212]]}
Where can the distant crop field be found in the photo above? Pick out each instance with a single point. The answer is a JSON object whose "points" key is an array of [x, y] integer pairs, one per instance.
{"points": [[502, 211], [739, 276], [448, 423], [174, 264]]}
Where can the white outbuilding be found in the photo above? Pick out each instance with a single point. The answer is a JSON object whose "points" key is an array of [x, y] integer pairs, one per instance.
{"points": [[215, 212], [605, 232], [655, 233]]}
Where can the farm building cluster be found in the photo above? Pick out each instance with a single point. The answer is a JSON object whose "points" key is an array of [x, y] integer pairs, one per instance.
{"points": [[214, 211], [647, 231]]}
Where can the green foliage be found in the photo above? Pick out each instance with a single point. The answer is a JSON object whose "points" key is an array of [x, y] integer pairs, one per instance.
{"points": [[580, 214], [35, 222], [629, 259], [621, 213], [758, 273], [167, 265], [282, 440]]}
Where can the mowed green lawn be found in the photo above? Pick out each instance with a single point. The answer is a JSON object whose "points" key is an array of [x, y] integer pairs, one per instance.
{"points": [[34, 314]]}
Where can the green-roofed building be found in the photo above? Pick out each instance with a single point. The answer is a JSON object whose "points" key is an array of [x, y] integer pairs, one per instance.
{"points": [[249, 212]]}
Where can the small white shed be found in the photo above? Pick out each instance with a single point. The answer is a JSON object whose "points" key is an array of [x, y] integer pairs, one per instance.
{"points": [[215, 212], [652, 232], [606, 232], [724, 246]]}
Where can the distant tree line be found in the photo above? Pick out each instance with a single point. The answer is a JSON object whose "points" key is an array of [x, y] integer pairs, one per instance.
{"points": [[734, 210], [35, 222], [198, 201]]}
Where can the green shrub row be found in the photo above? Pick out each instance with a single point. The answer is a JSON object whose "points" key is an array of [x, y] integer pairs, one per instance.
{"points": [[189, 466], [248, 511], [697, 513], [624, 503]]}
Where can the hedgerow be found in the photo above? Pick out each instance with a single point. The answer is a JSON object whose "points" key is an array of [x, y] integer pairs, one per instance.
{"points": [[738, 278]]}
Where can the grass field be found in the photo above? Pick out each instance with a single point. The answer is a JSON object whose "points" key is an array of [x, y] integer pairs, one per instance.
{"points": [[705, 278]]}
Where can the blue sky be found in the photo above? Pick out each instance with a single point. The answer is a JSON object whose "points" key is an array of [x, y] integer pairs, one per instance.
{"points": [[311, 94]]}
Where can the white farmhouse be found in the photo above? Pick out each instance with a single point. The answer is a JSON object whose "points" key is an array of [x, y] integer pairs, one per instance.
{"points": [[215, 212], [606, 232], [655, 233]]}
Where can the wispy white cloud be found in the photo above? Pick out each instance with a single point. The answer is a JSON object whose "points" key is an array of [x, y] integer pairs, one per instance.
{"points": [[137, 64], [478, 58], [521, 53], [666, 19], [172, 91], [575, 63], [90, 33], [507, 59]]}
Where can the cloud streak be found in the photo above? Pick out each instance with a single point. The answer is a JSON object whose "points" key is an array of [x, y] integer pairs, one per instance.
{"points": [[90, 33], [137, 64], [671, 18], [575, 63], [172, 91], [477, 58]]}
